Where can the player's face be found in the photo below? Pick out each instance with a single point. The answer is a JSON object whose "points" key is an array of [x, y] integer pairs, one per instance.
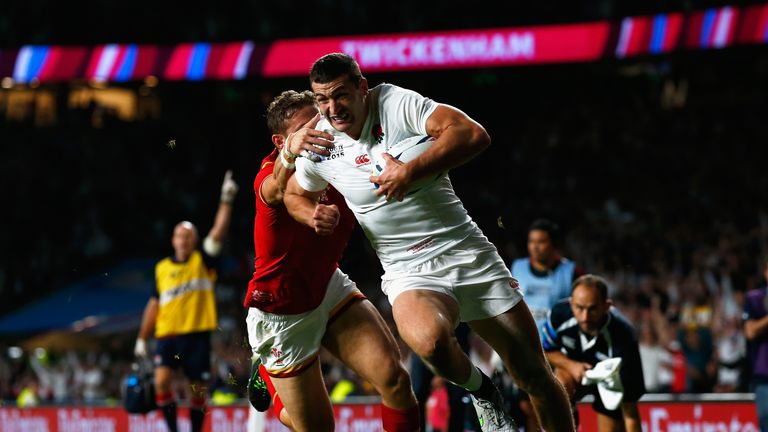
{"points": [[540, 246], [299, 119], [184, 241], [589, 308], [343, 104]]}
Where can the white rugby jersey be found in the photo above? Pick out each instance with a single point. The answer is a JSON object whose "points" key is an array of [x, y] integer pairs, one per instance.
{"points": [[403, 233]]}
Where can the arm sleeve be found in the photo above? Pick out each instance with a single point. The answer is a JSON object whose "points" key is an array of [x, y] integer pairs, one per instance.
{"points": [[750, 312], [307, 176], [416, 107], [550, 340]]}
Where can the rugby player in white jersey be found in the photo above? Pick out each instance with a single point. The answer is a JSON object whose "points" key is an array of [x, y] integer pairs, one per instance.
{"points": [[439, 268]]}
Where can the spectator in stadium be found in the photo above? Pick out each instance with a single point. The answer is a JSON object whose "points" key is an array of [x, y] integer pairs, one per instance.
{"points": [[439, 267], [182, 312], [585, 330], [545, 277], [298, 298], [756, 332]]}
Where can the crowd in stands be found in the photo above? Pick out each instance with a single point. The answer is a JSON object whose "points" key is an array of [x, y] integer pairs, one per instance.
{"points": [[650, 167]]}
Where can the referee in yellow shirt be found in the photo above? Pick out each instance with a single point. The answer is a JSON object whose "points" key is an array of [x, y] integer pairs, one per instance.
{"points": [[182, 312]]}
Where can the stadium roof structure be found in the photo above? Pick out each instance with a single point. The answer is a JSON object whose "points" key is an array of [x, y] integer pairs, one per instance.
{"points": [[110, 302], [713, 28]]}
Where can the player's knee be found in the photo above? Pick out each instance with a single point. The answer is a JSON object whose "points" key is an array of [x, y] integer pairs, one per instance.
{"points": [[398, 381], [430, 343]]}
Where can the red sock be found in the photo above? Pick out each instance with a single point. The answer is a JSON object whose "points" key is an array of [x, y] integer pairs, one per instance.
{"points": [[278, 404], [162, 399], [395, 420]]}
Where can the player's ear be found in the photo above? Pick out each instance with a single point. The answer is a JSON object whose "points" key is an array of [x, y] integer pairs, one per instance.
{"points": [[364, 86], [278, 140]]}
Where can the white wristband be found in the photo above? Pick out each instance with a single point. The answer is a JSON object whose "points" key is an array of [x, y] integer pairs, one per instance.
{"points": [[285, 147], [284, 161]]}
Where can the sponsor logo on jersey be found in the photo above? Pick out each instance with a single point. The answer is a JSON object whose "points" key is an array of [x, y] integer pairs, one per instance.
{"points": [[420, 246], [363, 159]]}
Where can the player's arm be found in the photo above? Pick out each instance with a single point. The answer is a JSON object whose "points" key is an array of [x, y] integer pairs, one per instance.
{"points": [[755, 328], [213, 241], [458, 139], [551, 342], [304, 206], [575, 369], [148, 320], [305, 139], [631, 417]]}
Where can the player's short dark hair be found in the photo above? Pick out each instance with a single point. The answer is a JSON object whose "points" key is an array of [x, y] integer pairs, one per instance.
{"points": [[592, 281], [284, 106], [333, 66], [547, 226]]}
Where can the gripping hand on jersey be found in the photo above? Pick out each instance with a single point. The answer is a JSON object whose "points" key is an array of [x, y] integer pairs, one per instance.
{"points": [[394, 180], [325, 219], [308, 141]]}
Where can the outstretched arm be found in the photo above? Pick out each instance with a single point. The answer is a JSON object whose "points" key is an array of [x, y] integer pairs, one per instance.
{"points": [[148, 320], [458, 139], [212, 242], [303, 206]]}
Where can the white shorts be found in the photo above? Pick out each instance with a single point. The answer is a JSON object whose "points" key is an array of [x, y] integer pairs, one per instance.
{"points": [[472, 273], [288, 344]]}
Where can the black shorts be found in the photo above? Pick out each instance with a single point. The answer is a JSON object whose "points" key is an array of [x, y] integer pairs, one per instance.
{"points": [[190, 352]]}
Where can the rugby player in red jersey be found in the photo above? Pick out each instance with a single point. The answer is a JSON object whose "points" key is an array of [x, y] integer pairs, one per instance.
{"points": [[298, 298]]}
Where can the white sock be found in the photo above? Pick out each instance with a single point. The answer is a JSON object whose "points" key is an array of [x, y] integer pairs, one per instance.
{"points": [[474, 382]]}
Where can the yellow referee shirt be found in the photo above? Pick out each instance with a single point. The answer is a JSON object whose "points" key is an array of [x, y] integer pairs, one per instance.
{"points": [[185, 296]]}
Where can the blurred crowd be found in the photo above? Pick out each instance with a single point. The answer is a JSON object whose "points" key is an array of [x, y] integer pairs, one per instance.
{"points": [[650, 167]]}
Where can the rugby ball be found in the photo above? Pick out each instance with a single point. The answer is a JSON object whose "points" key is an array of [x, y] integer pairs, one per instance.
{"points": [[406, 151]]}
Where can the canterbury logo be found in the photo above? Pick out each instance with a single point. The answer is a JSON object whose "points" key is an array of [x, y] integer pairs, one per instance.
{"points": [[362, 160]]}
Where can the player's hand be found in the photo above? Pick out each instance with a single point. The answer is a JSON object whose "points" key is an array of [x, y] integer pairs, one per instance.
{"points": [[308, 139], [140, 350], [325, 218], [578, 370], [228, 188], [394, 179]]}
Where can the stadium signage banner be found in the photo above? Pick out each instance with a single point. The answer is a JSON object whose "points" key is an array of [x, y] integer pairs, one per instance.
{"points": [[687, 416], [713, 28], [475, 48], [734, 416]]}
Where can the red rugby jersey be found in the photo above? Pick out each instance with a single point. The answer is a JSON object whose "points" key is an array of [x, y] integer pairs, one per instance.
{"points": [[293, 264]]}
